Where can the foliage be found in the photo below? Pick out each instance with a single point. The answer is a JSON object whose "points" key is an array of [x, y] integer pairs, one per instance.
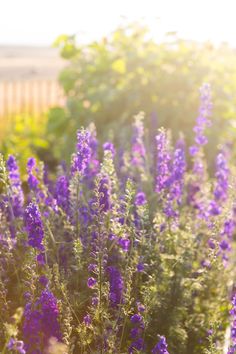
{"points": [[25, 136], [110, 80], [125, 254]]}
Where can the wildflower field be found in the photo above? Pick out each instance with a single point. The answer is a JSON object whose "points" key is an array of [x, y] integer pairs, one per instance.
{"points": [[121, 251]]}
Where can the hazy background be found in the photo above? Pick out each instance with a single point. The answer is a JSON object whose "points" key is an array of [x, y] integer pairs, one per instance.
{"points": [[104, 73], [34, 22]]}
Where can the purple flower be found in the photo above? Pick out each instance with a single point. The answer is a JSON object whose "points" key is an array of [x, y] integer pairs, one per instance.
{"points": [[83, 154], [136, 318], [224, 245], [138, 149], [232, 348], [211, 243], [34, 226], [222, 176], [91, 282], [140, 267], [94, 301], [178, 171], [116, 286], [87, 320], [92, 267], [160, 347], [62, 193], [221, 185], [140, 307], [140, 199], [41, 259], [16, 345], [137, 345], [135, 332], [17, 196], [203, 121], [163, 170], [104, 193], [43, 280], [125, 244], [41, 322], [109, 147], [93, 162], [195, 189], [32, 179]]}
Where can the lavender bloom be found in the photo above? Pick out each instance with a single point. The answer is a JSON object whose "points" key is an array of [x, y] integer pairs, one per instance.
{"points": [[138, 149], [160, 347], [221, 186], [136, 333], [140, 199], [104, 193], [116, 286], [91, 282], [17, 196], [41, 322], [43, 280], [93, 162], [87, 320], [62, 193], [136, 345], [109, 147], [222, 176], [32, 179], [16, 345], [178, 171], [232, 349], [140, 307], [136, 318], [176, 181], [140, 267], [202, 121], [195, 197], [41, 259], [34, 226], [83, 155], [125, 244], [163, 162]]}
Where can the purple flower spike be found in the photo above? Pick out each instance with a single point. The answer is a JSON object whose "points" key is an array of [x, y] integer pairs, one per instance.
{"points": [[41, 322], [140, 199], [163, 161], [138, 149], [116, 286], [83, 154], [91, 282], [16, 346], [136, 318], [104, 193], [161, 347], [34, 226], [32, 179], [17, 196], [87, 320], [109, 147], [125, 244], [203, 121], [62, 193]]}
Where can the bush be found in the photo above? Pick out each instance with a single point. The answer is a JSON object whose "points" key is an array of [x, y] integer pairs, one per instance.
{"points": [[108, 81], [131, 254]]}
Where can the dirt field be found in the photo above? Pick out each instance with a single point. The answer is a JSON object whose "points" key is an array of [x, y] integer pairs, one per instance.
{"points": [[29, 63]]}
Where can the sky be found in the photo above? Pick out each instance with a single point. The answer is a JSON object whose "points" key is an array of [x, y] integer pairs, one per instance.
{"points": [[39, 22]]}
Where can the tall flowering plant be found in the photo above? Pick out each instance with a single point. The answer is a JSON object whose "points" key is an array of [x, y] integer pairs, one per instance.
{"points": [[119, 255]]}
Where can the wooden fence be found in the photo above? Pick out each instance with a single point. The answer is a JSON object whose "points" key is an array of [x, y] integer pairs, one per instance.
{"points": [[29, 97]]}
